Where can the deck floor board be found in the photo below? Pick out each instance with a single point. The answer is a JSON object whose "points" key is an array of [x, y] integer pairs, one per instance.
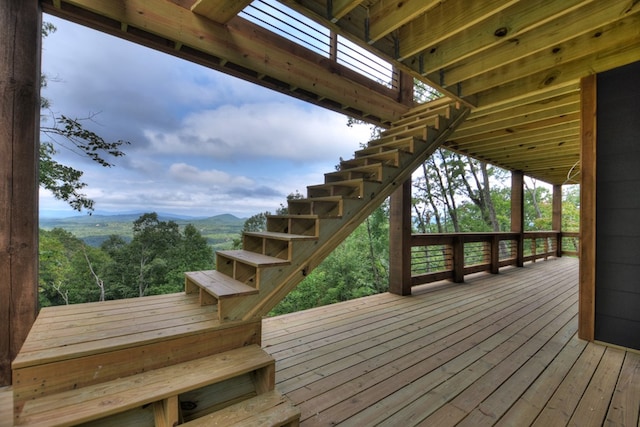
{"points": [[497, 350]]}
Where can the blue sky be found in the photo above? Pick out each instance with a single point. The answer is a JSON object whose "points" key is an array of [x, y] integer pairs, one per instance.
{"points": [[202, 143]]}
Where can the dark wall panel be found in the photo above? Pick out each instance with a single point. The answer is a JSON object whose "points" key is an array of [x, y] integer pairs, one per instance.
{"points": [[617, 305]]}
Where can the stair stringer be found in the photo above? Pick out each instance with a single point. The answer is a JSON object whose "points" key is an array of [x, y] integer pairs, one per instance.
{"points": [[332, 231]]}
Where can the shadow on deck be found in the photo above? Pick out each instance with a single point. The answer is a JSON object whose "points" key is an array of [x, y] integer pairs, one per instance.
{"points": [[497, 350]]}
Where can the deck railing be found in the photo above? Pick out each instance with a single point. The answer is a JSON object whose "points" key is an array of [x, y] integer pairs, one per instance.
{"points": [[452, 256]]}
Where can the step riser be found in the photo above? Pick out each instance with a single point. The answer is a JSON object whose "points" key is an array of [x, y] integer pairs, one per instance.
{"points": [[44, 379], [323, 209], [271, 247], [293, 225]]}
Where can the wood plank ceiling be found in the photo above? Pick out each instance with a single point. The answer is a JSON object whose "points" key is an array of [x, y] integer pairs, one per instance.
{"points": [[517, 63]]}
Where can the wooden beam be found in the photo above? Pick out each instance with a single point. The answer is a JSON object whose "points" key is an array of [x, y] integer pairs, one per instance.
{"points": [[510, 23], [20, 39], [220, 11], [400, 240], [523, 122], [444, 20], [387, 16], [539, 53], [567, 74], [341, 7], [517, 212], [522, 109], [587, 288]]}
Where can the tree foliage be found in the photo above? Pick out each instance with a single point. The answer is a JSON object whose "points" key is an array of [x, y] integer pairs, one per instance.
{"points": [[153, 262]]}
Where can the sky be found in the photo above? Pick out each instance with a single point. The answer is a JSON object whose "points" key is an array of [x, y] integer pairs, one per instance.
{"points": [[202, 143]]}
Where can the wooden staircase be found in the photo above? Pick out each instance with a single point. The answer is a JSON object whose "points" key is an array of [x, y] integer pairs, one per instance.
{"points": [[249, 282], [194, 358]]}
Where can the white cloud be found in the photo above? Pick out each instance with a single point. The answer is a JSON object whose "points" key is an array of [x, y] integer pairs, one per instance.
{"points": [[277, 130]]}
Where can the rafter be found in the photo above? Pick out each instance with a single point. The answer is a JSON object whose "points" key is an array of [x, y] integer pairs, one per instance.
{"points": [[387, 16], [341, 7], [588, 21], [510, 22], [220, 11], [443, 21]]}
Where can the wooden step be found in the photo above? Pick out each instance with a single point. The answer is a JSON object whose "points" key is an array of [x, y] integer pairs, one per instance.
{"points": [[417, 129], [408, 144], [393, 157], [428, 107], [269, 409], [246, 266], [307, 225], [324, 207], [415, 116], [216, 288], [275, 244], [79, 345], [373, 173], [353, 188], [159, 387]]}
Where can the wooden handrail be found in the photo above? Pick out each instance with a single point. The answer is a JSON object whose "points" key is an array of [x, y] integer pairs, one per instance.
{"points": [[440, 256]]}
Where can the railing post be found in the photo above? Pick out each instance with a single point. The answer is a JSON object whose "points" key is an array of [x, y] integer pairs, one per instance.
{"points": [[495, 254], [400, 240], [458, 259]]}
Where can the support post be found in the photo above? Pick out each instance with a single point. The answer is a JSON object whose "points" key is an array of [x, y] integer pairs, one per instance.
{"points": [[20, 40], [400, 240], [556, 218], [405, 88], [517, 212], [587, 281]]}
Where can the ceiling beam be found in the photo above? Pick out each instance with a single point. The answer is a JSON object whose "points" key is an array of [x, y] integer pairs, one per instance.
{"points": [[511, 23], [588, 21], [220, 11], [444, 20], [567, 74], [341, 7], [387, 16]]}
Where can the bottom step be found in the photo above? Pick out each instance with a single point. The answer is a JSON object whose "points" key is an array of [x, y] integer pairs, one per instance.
{"points": [[267, 409]]}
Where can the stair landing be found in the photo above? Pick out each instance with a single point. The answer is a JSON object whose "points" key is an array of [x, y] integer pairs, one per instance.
{"points": [[103, 341]]}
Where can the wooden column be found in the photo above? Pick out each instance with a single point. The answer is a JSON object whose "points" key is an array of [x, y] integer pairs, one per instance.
{"points": [[517, 212], [400, 240], [587, 291], [556, 217], [20, 39], [405, 88]]}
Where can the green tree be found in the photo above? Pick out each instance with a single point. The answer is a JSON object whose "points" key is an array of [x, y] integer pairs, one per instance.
{"points": [[155, 260]]}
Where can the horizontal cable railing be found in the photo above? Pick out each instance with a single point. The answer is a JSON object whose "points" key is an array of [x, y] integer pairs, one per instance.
{"points": [[453, 255], [297, 28]]}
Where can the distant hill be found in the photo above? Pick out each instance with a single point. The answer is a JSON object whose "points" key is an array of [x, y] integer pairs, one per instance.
{"points": [[220, 230]]}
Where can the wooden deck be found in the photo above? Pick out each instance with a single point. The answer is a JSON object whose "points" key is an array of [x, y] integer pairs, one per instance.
{"points": [[497, 350]]}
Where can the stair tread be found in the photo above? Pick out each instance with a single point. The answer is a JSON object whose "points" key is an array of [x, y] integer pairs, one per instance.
{"points": [[219, 284], [346, 183], [253, 258], [289, 216], [115, 396], [279, 236], [266, 409]]}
